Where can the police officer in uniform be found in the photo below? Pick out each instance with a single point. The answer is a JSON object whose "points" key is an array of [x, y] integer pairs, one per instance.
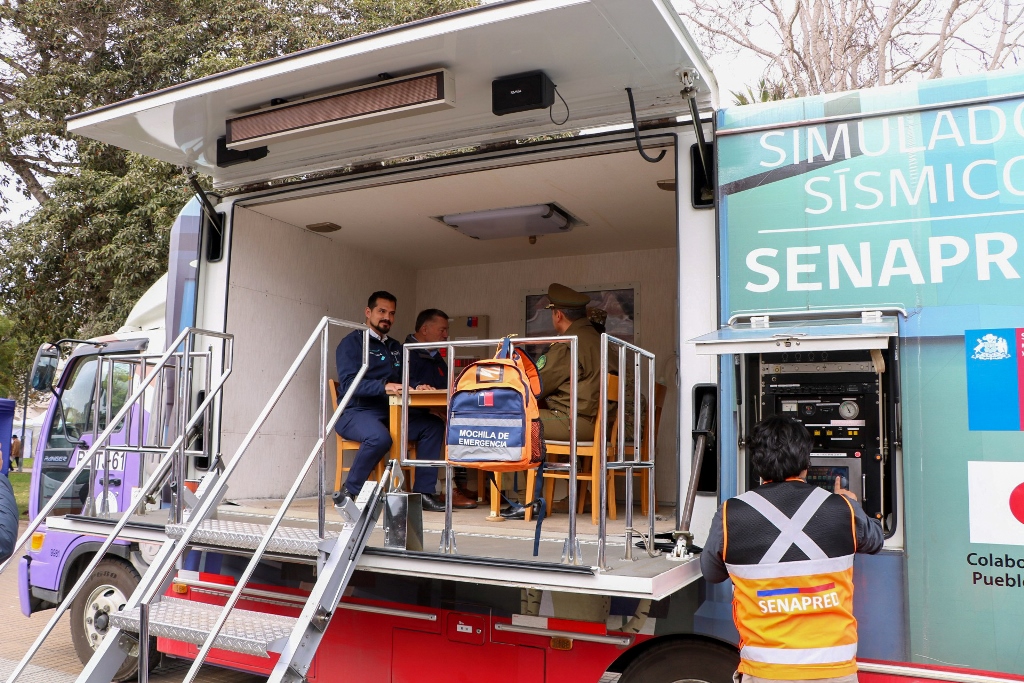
{"points": [[569, 317], [788, 547], [366, 417]]}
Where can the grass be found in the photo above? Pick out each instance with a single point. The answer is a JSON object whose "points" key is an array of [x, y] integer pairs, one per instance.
{"points": [[20, 482]]}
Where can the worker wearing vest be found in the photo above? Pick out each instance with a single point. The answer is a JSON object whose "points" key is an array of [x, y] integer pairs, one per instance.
{"points": [[788, 547]]}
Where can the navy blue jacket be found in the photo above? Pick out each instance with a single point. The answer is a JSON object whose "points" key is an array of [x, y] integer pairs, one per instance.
{"points": [[8, 519], [425, 368], [385, 366]]}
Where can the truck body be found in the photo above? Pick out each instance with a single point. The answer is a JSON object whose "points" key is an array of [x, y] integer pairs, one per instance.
{"points": [[852, 245]]}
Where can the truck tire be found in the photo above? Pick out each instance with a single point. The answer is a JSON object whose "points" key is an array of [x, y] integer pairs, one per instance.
{"points": [[106, 590], [683, 661]]}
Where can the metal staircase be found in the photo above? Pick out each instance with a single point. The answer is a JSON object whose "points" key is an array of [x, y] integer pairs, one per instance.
{"points": [[259, 633], [149, 612], [145, 417]]}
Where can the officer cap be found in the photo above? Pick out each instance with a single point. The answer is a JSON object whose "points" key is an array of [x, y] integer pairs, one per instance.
{"points": [[565, 298]]}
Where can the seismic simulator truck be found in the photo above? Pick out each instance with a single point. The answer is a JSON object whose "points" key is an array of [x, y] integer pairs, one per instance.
{"points": [[848, 260]]}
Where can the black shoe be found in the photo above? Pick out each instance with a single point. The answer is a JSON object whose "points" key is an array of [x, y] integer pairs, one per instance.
{"points": [[339, 497], [513, 512], [431, 503]]}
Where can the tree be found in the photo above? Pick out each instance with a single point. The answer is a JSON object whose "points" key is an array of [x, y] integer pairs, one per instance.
{"points": [[9, 381], [99, 236], [826, 46], [765, 92]]}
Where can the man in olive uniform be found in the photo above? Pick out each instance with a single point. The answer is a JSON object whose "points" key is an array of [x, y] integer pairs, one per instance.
{"points": [[569, 317]]}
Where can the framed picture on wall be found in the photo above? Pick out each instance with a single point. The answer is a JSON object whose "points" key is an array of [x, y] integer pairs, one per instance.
{"points": [[620, 304]]}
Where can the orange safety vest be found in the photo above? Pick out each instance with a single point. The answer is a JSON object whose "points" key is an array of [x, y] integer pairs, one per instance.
{"points": [[793, 581]]}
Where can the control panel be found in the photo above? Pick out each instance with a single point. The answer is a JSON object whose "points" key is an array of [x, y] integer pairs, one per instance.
{"points": [[844, 401]]}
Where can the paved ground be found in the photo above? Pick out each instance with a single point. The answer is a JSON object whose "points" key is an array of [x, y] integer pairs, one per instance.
{"points": [[56, 661]]}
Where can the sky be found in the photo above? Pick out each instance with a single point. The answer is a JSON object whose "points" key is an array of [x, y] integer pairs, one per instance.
{"points": [[18, 205]]}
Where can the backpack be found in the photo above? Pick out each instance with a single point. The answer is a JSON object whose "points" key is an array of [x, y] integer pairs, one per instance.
{"points": [[493, 418]]}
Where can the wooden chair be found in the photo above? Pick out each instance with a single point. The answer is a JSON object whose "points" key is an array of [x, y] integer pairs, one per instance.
{"points": [[346, 445], [589, 452], [660, 392]]}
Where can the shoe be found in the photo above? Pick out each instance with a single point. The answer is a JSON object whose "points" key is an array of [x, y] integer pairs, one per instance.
{"points": [[431, 503], [468, 494], [339, 497], [461, 501], [513, 512]]}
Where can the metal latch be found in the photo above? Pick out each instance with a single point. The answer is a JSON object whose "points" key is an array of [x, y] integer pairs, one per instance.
{"points": [[871, 316], [759, 322]]}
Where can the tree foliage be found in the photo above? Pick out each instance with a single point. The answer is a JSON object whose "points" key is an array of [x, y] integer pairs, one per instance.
{"points": [[825, 46], [99, 236], [765, 91]]}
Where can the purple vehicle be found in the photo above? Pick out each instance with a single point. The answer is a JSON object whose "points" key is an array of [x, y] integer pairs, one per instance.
{"points": [[111, 364]]}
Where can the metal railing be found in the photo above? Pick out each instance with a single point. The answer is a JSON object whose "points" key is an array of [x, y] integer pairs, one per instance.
{"points": [[136, 402], [571, 550], [621, 463], [152, 584]]}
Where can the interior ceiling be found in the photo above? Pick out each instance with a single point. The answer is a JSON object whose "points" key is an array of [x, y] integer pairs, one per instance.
{"points": [[615, 195]]}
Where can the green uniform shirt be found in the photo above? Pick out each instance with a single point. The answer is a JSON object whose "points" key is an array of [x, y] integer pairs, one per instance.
{"points": [[554, 367]]}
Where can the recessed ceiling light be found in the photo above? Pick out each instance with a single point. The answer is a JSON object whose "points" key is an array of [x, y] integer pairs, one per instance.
{"points": [[323, 227]]}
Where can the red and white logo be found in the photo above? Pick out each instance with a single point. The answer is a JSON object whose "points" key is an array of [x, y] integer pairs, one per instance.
{"points": [[996, 494]]}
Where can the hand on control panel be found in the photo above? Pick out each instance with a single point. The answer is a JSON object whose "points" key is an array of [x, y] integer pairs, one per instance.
{"points": [[841, 484]]}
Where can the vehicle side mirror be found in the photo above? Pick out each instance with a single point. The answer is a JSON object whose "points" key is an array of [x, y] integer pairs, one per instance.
{"points": [[44, 367]]}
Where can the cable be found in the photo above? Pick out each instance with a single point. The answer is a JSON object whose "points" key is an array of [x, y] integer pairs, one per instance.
{"points": [[552, 107]]}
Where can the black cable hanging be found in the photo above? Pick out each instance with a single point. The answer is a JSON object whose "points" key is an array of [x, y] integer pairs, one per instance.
{"points": [[552, 107], [636, 132]]}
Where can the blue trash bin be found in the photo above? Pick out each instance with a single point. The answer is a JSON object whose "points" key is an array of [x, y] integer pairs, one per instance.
{"points": [[6, 426]]}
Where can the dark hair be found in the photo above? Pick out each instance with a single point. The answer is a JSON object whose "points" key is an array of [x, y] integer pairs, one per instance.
{"points": [[780, 448], [427, 315], [380, 294], [573, 314]]}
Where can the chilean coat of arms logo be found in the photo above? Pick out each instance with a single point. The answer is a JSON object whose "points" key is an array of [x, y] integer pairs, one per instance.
{"points": [[991, 347]]}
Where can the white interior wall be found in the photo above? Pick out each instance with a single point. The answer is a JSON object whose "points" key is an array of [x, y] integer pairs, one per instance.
{"points": [[283, 281], [498, 289]]}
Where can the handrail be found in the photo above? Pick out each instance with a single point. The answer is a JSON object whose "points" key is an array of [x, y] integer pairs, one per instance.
{"points": [[147, 588], [621, 462], [571, 551], [314, 454], [151, 583], [157, 477], [86, 459]]}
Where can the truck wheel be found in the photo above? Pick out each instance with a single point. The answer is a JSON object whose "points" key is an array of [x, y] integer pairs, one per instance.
{"points": [[683, 661], [106, 590]]}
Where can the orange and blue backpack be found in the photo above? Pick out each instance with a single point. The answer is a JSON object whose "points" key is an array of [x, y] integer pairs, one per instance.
{"points": [[493, 418]]}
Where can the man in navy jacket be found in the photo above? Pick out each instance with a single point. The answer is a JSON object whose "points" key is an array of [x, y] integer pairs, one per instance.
{"points": [[366, 417], [428, 368], [8, 519]]}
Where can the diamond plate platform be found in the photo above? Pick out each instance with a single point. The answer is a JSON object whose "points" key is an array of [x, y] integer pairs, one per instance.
{"points": [[251, 633], [247, 536]]}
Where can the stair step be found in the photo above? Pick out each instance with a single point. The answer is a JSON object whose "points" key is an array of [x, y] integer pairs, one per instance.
{"points": [[251, 633], [247, 536]]}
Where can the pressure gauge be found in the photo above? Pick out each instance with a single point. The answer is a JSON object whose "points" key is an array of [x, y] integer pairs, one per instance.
{"points": [[849, 410]]}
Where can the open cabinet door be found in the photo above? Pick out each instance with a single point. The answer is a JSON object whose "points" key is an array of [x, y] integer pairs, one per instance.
{"points": [[436, 93]]}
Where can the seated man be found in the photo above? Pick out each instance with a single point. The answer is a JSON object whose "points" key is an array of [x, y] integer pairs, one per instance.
{"points": [[366, 417], [569, 317], [428, 369]]}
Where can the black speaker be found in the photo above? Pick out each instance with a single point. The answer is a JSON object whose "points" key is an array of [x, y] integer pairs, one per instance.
{"points": [[521, 92]]}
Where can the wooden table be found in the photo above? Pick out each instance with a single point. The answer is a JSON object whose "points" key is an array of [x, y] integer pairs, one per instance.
{"points": [[418, 398]]}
